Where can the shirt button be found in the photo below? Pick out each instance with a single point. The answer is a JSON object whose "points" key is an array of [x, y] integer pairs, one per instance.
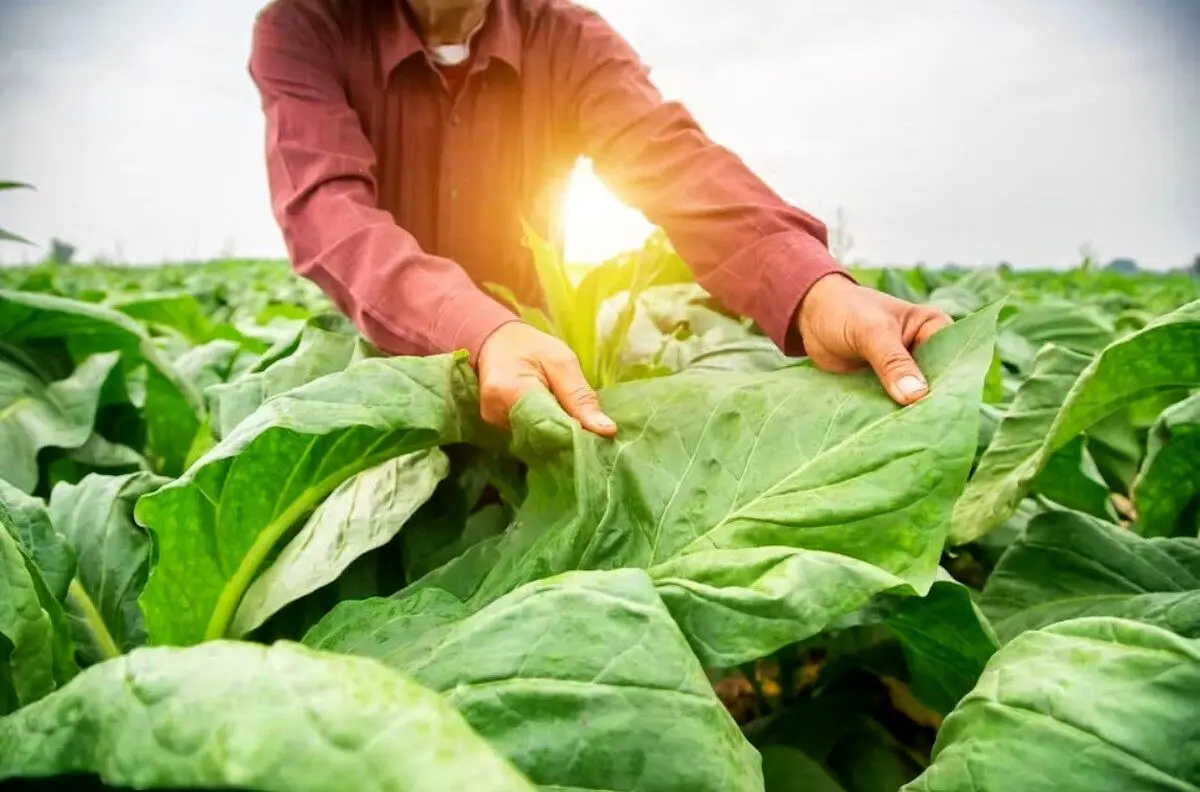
{"points": [[454, 119], [453, 193]]}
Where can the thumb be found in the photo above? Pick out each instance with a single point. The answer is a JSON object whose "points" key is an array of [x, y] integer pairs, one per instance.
{"points": [[568, 385], [884, 350]]}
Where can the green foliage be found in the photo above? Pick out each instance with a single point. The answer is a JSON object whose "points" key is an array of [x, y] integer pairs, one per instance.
{"points": [[1042, 716], [572, 311], [288, 719], [773, 578]]}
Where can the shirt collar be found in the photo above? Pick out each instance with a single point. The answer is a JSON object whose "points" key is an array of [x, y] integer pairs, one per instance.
{"points": [[500, 37]]}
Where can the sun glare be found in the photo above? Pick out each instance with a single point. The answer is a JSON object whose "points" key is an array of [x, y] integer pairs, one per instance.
{"points": [[598, 226]]}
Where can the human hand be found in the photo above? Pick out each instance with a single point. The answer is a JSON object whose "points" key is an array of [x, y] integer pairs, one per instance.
{"points": [[517, 358], [845, 326]]}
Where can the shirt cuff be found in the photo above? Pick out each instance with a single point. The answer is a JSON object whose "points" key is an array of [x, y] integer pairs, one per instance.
{"points": [[468, 319], [462, 320], [783, 268]]}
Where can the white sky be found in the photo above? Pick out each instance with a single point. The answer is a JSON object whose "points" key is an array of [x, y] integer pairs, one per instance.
{"points": [[964, 130]]}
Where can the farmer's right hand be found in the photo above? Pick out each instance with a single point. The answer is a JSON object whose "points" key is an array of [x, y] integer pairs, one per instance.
{"points": [[516, 358]]}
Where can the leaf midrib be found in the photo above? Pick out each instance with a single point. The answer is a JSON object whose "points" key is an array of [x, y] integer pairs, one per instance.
{"points": [[236, 586]]}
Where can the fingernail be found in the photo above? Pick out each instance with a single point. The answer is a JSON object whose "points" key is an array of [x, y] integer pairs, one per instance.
{"points": [[910, 387], [603, 422]]}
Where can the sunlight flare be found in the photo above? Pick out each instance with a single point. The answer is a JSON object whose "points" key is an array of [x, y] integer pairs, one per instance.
{"points": [[597, 225]]}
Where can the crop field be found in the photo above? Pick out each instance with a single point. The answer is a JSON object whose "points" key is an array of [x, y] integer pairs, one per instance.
{"points": [[240, 548]]}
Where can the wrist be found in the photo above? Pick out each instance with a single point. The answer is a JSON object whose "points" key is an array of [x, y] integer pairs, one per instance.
{"points": [[493, 334], [829, 286]]}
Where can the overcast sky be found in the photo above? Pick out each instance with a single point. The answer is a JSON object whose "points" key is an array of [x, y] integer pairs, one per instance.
{"points": [[964, 130]]}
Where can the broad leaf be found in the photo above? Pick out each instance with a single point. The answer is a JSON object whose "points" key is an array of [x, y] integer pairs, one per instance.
{"points": [[947, 642], [451, 521], [1101, 704], [183, 314], [240, 715], [35, 644], [99, 453], [968, 294], [217, 525], [26, 518], [1071, 479], [320, 352], [1045, 415], [1068, 565], [1168, 484], [35, 415], [364, 513], [765, 505], [594, 648], [1065, 323], [212, 363], [899, 284], [1114, 444], [96, 516], [172, 408]]}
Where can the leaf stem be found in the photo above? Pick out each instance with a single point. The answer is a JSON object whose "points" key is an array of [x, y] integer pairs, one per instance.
{"points": [[86, 608], [235, 588]]}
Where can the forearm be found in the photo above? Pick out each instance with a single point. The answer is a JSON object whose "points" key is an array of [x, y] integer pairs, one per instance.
{"points": [[321, 170], [403, 300], [743, 242]]}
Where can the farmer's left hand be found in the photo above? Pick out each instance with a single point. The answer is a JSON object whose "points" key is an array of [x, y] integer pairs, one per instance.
{"points": [[845, 326]]}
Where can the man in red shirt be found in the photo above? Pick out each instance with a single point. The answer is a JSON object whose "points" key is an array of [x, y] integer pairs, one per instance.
{"points": [[408, 139]]}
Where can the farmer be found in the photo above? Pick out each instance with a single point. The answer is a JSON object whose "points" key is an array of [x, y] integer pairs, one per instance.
{"points": [[407, 140]]}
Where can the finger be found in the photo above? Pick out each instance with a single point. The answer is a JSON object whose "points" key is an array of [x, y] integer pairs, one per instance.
{"points": [[885, 352], [930, 322], [577, 397]]}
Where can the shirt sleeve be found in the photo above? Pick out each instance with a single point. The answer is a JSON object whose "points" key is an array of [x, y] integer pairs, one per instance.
{"points": [[321, 170], [744, 244]]}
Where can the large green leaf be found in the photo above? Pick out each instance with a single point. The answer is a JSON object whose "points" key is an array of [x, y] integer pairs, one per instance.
{"points": [[1052, 320], [243, 716], [96, 516], [947, 642], [35, 642], [1114, 444], [1045, 415], [212, 363], [98, 453], [582, 680], [765, 504], [35, 415], [455, 519], [968, 294], [1168, 483], [1101, 704], [172, 408], [217, 525], [1068, 565], [182, 314], [364, 513], [320, 352], [26, 518], [1071, 479], [899, 284]]}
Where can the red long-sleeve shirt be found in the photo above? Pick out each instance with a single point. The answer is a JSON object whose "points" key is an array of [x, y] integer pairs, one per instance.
{"points": [[400, 200]]}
